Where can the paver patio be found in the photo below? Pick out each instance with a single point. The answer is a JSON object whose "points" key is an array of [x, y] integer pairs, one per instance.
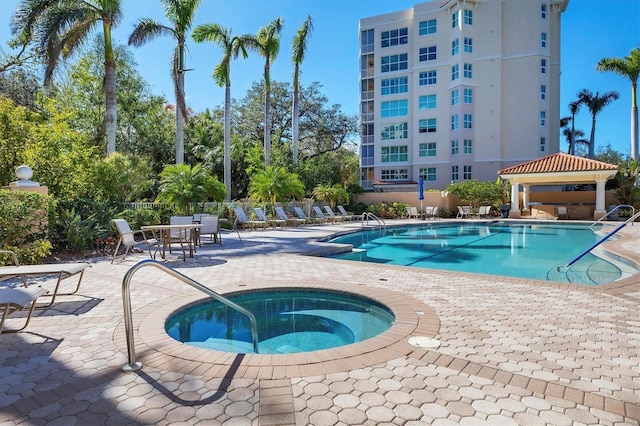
{"points": [[513, 351]]}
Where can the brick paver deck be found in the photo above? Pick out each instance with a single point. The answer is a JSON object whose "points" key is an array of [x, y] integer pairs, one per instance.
{"points": [[512, 351]]}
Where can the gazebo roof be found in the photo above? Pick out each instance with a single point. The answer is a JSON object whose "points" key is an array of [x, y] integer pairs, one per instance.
{"points": [[559, 168]]}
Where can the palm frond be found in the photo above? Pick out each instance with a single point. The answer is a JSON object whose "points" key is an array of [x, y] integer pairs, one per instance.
{"points": [[146, 30]]}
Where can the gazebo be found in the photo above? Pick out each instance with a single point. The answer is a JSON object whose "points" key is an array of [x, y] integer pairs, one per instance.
{"points": [[558, 169]]}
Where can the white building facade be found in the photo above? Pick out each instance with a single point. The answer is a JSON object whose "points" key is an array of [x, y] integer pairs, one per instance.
{"points": [[455, 90]]}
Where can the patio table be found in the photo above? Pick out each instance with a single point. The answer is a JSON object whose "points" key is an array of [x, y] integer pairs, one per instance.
{"points": [[162, 233]]}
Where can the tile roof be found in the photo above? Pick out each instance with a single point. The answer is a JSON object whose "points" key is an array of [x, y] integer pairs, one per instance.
{"points": [[559, 162]]}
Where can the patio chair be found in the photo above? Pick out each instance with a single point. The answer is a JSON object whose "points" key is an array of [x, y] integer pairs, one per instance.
{"points": [[16, 299], [332, 216], [483, 211], [128, 240], [321, 215], [347, 215], [463, 212], [179, 235], [430, 212], [561, 211], [412, 212], [211, 227], [273, 222], [313, 220], [243, 221], [294, 221], [61, 270]]}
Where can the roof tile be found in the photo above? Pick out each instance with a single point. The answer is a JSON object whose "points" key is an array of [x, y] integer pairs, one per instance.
{"points": [[559, 162]]}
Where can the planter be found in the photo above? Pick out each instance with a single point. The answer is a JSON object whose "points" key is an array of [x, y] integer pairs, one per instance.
{"points": [[504, 210]]}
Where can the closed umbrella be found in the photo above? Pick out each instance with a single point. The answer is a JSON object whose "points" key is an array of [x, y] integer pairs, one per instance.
{"points": [[421, 192]]}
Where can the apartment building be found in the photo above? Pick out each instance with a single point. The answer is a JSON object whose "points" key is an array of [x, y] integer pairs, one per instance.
{"points": [[454, 90]]}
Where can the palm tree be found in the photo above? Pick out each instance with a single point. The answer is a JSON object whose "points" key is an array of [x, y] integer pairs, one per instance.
{"points": [[180, 13], [574, 108], [232, 46], [60, 27], [299, 49], [267, 43], [275, 184], [182, 184], [595, 104], [629, 67], [570, 135], [331, 194]]}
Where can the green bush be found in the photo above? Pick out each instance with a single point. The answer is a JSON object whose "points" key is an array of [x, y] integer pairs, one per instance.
{"points": [[388, 210], [140, 217], [24, 224]]}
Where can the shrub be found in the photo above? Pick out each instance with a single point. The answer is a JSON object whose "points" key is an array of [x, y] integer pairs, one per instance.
{"points": [[140, 217]]}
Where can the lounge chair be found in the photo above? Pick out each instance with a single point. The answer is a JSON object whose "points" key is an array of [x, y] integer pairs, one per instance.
{"points": [[294, 221], [412, 212], [273, 222], [332, 216], [562, 211], [430, 212], [128, 240], [243, 221], [321, 215], [483, 211], [16, 299], [312, 220], [346, 215], [463, 212], [211, 227], [62, 270]]}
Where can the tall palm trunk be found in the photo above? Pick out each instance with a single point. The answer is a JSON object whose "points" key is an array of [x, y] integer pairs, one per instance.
{"points": [[267, 117], [227, 141], [180, 120], [295, 119], [592, 139], [111, 114], [634, 122]]}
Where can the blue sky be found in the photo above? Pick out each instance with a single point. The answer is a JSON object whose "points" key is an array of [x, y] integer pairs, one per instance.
{"points": [[591, 30]]}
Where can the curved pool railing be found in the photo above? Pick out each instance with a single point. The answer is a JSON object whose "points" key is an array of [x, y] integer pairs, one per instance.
{"points": [[128, 316]]}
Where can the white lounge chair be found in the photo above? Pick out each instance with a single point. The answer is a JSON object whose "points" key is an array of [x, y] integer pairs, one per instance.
{"points": [[16, 299], [412, 212], [128, 239], [321, 215], [313, 220], [273, 222], [463, 212], [61, 270], [243, 221], [332, 216], [346, 215], [483, 211], [294, 221], [430, 212]]}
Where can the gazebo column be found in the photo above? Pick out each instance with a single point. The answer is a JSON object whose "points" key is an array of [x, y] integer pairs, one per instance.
{"points": [[600, 199], [525, 197], [514, 213]]}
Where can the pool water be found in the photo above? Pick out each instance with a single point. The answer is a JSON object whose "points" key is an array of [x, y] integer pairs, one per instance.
{"points": [[537, 251], [289, 321]]}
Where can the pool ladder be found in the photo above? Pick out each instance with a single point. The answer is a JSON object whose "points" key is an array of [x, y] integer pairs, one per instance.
{"points": [[366, 216], [128, 316]]}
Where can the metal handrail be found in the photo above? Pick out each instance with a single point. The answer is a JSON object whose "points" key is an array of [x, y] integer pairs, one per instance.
{"points": [[602, 240], [633, 212], [366, 216], [128, 316]]}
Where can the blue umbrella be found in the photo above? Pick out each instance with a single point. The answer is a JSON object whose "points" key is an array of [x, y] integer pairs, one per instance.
{"points": [[421, 191]]}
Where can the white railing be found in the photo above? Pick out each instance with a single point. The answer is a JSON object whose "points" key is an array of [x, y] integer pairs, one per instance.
{"points": [[365, 220], [624, 206]]}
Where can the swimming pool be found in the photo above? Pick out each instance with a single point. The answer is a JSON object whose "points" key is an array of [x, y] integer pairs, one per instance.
{"points": [[289, 321], [526, 250]]}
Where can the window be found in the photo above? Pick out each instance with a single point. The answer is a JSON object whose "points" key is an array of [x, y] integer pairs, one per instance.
{"points": [[454, 173], [468, 121], [397, 108], [366, 155], [543, 11], [454, 122], [468, 45], [428, 174], [543, 40], [454, 19], [427, 102], [367, 133], [467, 173], [454, 147], [394, 37], [468, 96], [468, 146], [366, 41], [454, 97], [428, 53], [393, 154], [394, 131], [543, 66], [454, 72], [391, 86], [394, 62], [543, 92], [401, 174], [543, 118], [455, 47], [543, 144], [468, 17], [468, 71], [427, 126], [427, 27], [427, 149], [427, 77]]}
